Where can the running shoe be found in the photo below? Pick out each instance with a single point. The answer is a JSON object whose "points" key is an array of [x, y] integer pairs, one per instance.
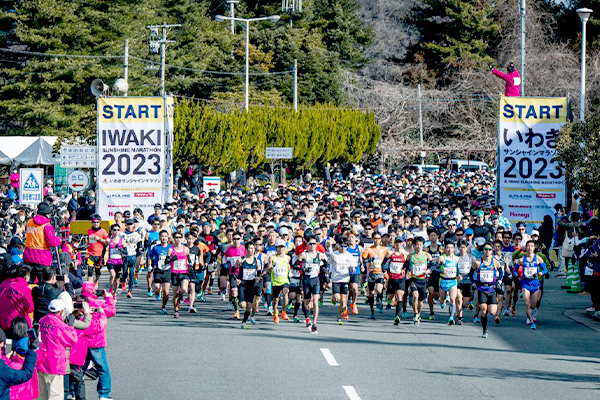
{"points": [[244, 326], [470, 305], [513, 313], [340, 322], [372, 316], [202, 298], [199, 295], [485, 335], [209, 291], [289, 306], [276, 318], [397, 320], [533, 326], [506, 312], [332, 301], [270, 311], [346, 314], [459, 322], [193, 310], [222, 296], [380, 307], [405, 315], [135, 283], [158, 297], [175, 314], [284, 316], [296, 319], [354, 309], [432, 317], [307, 321], [497, 320], [443, 305], [236, 315], [450, 321], [229, 307], [149, 293], [534, 312], [313, 328], [321, 303], [476, 320], [528, 321], [591, 309], [417, 320], [129, 294], [389, 306], [252, 320]]}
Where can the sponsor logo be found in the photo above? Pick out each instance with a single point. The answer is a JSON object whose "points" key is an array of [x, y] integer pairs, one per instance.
{"points": [[516, 206], [545, 195], [143, 194], [118, 196], [519, 215], [520, 196]]}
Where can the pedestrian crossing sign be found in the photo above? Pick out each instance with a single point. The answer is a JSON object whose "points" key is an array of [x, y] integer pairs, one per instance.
{"points": [[31, 183], [31, 189]]}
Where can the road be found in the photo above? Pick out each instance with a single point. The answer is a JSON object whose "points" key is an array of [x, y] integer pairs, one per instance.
{"points": [[208, 356]]}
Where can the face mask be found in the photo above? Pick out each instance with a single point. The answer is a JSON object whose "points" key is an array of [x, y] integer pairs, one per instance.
{"points": [[21, 218]]}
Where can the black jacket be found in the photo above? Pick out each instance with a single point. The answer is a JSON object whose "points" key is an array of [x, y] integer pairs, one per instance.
{"points": [[43, 295], [11, 377]]}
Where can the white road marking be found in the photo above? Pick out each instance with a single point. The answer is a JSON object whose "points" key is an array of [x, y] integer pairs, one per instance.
{"points": [[330, 358], [351, 393]]}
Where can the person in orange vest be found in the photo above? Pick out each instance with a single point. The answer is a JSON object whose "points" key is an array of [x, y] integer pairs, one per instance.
{"points": [[97, 239], [40, 237]]}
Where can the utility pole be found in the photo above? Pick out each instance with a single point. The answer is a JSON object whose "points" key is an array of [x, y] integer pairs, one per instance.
{"points": [[296, 85], [126, 62], [421, 153], [522, 72], [162, 43], [232, 4], [292, 7]]}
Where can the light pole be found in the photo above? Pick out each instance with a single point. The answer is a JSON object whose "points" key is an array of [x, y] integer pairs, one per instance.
{"points": [[584, 15], [272, 18]]}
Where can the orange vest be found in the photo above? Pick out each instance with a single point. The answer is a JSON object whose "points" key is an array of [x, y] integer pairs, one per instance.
{"points": [[35, 238]]}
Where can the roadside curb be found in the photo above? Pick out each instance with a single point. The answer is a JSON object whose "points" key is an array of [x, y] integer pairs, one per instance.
{"points": [[583, 318]]}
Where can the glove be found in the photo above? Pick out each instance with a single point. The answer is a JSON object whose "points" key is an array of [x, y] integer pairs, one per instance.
{"points": [[490, 66], [70, 320]]}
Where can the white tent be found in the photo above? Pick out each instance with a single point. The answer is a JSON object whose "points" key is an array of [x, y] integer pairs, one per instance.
{"points": [[27, 150]]}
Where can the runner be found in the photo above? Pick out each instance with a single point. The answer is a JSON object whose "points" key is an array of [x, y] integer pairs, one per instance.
{"points": [[161, 269], [311, 264], [178, 256], [246, 273], [397, 274], [355, 275], [279, 267], [341, 265], [152, 239], [449, 274], [97, 239], [417, 275], [230, 257], [132, 241], [485, 275], [374, 257], [433, 283], [531, 269], [116, 252], [465, 263]]}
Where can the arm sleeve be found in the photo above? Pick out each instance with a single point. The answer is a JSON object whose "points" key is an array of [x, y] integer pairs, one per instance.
{"points": [[83, 324], [53, 240], [500, 74], [15, 377]]}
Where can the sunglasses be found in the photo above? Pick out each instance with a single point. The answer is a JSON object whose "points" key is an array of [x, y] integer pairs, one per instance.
{"points": [[115, 230], [312, 244], [237, 238], [487, 249], [178, 237]]}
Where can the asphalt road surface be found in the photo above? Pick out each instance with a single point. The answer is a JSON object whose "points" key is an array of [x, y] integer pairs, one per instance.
{"points": [[208, 356]]}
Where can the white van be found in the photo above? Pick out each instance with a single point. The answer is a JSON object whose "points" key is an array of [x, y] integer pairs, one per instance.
{"points": [[423, 169], [467, 165]]}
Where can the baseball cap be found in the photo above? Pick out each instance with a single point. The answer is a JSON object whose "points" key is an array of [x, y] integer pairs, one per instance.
{"points": [[479, 241], [280, 243], [469, 231], [451, 222], [56, 305], [535, 233], [480, 213], [284, 231]]}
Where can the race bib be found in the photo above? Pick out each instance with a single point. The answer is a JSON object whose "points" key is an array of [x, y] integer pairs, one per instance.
{"points": [[376, 263], [179, 265], [486, 276], [464, 268], [161, 262], [211, 267], [530, 272], [93, 239], [279, 271], [114, 253], [419, 269], [248, 274], [450, 272], [342, 269], [396, 267]]}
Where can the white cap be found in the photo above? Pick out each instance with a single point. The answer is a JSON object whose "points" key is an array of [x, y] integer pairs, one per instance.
{"points": [[279, 243], [535, 233], [284, 231], [49, 181], [56, 305], [479, 241], [65, 297]]}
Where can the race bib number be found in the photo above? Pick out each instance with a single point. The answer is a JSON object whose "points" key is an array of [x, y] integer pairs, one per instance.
{"points": [[248, 274], [395, 267], [343, 269], [419, 269], [179, 265], [93, 239], [279, 271], [486, 276], [161, 262], [376, 263], [211, 267], [115, 254], [450, 272], [530, 272], [464, 268]]}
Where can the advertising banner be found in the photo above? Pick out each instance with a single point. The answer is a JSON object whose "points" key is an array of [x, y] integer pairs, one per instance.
{"points": [[132, 162], [530, 181]]}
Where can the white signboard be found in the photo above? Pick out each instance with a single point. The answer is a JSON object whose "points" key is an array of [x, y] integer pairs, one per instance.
{"points": [[78, 180], [530, 181], [78, 156], [211, 184], [31, 185], [131, 153], [279, 153]]}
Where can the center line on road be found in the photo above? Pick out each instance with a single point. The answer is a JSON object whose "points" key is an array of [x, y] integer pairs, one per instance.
{"points": [[329, 357], [351, 393]]}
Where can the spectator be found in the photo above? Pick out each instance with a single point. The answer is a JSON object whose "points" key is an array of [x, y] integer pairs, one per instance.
{"points": [[96, 323], [56, 337], [15, 298], [40, 237], [20, 344], [52, 287], [512, 79], [49, 189], [10, 376], [15, 179]]}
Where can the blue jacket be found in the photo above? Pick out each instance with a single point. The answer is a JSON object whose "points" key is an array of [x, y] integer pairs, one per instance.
{"points": [[11, 377]]}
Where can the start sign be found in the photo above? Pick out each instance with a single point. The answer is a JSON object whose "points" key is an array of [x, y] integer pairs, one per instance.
{"points": [[78, 180]]}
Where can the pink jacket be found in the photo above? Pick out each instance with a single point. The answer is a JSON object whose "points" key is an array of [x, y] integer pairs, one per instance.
{"points": [[15, 301], [55, 336], [42, 257], [79, 350], [513, 82], [14, 180], [109, 308], [25, 391]]}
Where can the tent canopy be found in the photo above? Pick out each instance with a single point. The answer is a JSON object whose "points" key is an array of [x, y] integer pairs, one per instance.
{"points": [[27, 150]]}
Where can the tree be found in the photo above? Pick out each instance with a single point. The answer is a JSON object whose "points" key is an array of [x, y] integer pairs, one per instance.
{"points": [[578, 148]]}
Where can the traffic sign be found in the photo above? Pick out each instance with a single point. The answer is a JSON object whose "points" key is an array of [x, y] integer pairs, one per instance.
{"points": [[78, 156], [78, 180], [211, 184], [279, 153], [31, 189]]}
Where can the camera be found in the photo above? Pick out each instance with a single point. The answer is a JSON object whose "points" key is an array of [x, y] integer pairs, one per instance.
{"points": [[99, 292], [78, 305]]}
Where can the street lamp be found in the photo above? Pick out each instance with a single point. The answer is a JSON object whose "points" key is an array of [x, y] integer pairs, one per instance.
{"points": [[272, 18], [584, 15]]}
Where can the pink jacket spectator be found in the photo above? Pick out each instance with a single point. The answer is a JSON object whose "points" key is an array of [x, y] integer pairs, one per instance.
{"points": [[513, 82], [109, 308], [14, 180], [79, 350], [55, 336], [42, 257], [15, 301], [25, 391]]}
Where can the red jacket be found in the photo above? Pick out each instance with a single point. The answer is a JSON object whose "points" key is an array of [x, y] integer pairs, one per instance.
{"points": [[15, 301], [55, 336], [513, 82]]}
